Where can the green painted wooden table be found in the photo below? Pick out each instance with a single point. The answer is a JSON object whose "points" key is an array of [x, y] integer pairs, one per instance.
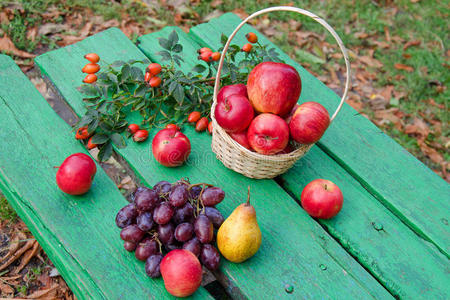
{"points": [[391, 238]]}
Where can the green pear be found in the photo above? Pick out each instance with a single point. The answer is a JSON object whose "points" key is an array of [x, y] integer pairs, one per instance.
{"points": [[239, 237]]}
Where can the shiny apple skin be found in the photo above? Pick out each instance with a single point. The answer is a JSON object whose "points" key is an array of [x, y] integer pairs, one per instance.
{"points": [[76, 173], [233, 89], [309, 123], [234, 113], [322, 199], [171, 147], [241, 138], [268, 134], [182, 272], [273, 88]]}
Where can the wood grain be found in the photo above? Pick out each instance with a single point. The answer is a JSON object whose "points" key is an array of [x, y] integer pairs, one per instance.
{"points": [[294, 246], [78, 233]]}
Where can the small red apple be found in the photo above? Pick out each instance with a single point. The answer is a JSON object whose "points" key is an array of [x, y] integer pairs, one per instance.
{"points": [[170, 147], [182, 272], [322, 199], [76, 173], [241, 138], [233, 89], [309, 123], [273, 88], [234, 113], [268, 134]]}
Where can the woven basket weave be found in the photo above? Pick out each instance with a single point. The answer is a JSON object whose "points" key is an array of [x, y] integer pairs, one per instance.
{"points": [[242, 160]]}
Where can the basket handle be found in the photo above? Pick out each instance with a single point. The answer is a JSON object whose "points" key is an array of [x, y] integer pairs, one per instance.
{"points": [[300, 11]]}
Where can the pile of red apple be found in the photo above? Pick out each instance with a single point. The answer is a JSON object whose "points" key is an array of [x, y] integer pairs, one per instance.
{"points": [[264, 116]]}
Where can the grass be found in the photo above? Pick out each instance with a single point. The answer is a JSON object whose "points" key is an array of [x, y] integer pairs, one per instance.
{"points": [[7, 213]]}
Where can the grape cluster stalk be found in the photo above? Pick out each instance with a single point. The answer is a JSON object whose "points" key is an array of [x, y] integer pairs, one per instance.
{"points": [[172, 216]]}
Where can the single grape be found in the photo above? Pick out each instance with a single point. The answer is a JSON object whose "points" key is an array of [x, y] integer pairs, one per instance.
{"points": [[214, 216], [166, 233], [126, 215], [146, 248], [137, 191], [173, 246], [129, 246], [183, 214], [132, 233], [145, 221], [179, 195], [163, 213], [210, 257], [212, 196], [203, 229], [193, 245], [194, 192], [152, 265], [162, 187], [184, 232], [146, 200]]}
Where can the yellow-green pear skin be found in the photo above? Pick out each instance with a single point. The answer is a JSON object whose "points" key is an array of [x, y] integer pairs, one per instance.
{"points": [[239, 237]]}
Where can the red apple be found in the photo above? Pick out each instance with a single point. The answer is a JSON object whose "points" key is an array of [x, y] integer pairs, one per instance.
{"points": [[287, 149], [289, 116], [76, 173], [233, 89], [182, 272], [322, 199], [268, 134], [273, 88], [234, 113], [241, 138], [309, 123], [170, 147]]}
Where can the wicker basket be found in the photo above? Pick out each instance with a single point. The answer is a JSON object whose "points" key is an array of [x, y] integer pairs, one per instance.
{"points": [[242, 160]]}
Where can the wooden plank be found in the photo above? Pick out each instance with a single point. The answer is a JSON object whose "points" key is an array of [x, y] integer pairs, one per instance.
{"points": [[82, 243], [388, 253], [403, 184], [281, 255]]}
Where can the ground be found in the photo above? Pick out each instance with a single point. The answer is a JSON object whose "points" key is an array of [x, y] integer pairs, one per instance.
{"points": [[400, 62]]}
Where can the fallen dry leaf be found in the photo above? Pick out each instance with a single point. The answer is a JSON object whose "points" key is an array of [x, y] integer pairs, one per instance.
{"points": [[411, 43], [6, 289], [386, 93], [18, 254], [27, 257], [371, 62], [44, 294], [435, 156], [8, 46], [404, 67], [418, 127]]}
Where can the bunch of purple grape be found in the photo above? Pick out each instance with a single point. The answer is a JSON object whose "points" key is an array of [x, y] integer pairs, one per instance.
{"points": [[172, 216]]}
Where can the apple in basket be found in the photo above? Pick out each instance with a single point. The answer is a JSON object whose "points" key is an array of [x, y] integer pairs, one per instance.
{"points": [[233, 89], [274, 88], [268, 134], [309, 123], [234, 113]]}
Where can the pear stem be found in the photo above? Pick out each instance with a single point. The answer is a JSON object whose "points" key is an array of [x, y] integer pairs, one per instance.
{"points": [[248, 196]]}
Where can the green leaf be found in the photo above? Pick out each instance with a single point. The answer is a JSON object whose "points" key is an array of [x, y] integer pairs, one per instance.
{"points": [[140, 91], [165, 55], [117, 63], [89, 90], [165, 43], [178, 93], [92, 126], [199, 68], [178, 59], [177, 48], [223, 39], [100, 138], [118, 140], [105, 152], [308, 57], [126, 71], [172, 87], [173, 39], [136, 74]]}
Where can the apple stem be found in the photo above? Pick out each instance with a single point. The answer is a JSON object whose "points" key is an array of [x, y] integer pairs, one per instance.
{"points": [[326, 187], [248, 196]]}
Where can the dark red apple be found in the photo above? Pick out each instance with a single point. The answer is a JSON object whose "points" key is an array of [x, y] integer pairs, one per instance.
{"points": [[234, 113], [233, 89], [309, 123], [268, 134], [273, 88], [287, 149], [241, 138], [76, 173], [170, 147], [322, 199], [182, 272]]}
